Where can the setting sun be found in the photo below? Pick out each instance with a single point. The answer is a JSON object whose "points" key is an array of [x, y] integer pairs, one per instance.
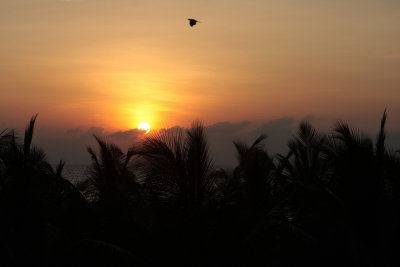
{"points": [[144, 126]]}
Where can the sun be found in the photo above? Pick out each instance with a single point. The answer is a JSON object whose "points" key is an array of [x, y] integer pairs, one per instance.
{"points": [[144, 126]]}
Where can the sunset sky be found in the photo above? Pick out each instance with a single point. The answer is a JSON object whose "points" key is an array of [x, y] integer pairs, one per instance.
{"points": [[112, 64]]}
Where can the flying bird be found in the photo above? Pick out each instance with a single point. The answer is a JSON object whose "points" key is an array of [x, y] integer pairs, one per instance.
{"points": [[192, 22]]}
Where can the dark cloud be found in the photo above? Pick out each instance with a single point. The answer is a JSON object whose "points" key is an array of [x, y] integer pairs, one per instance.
{"points": [[228, 127], [276, 126], [222, 135], [322, 124], [393, 141], [129, 135], [279, 131], [94, 130], [173, 131], [74, 131], [71, 145], [176, 129]]}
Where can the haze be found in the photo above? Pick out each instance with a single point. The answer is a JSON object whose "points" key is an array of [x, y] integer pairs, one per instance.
{"points": [[114, 64]]}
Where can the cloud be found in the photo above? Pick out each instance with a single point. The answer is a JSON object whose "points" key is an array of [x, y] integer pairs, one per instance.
{"points": [[129, 135], [227, 127], [393, 141], [221, 136], [94, 130], [71, 145], [74, 131], [276, 126]]}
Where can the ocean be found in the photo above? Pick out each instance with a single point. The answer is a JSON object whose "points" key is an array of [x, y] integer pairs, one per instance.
{"points": [[77, 172], [74, 173]]}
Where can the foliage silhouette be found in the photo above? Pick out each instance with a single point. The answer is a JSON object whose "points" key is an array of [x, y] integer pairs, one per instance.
{"points": [[334, 199], [178, 164], [254, 169], [34, 199]]}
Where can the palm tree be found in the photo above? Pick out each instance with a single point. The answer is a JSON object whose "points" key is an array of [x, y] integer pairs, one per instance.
{"points": [[25, 170], [179, 185], [363, 178], [305, 206], [111, 185], [110, 168], [23, 161], [305, 172], [307, 164], [5, 139], [176, 165], [251, 180], [34, 196], [355, 174]]}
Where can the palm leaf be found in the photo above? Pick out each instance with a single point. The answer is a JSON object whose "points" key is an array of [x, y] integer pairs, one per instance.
{"points": [[380, 142], [60, 168], [29, 135]]}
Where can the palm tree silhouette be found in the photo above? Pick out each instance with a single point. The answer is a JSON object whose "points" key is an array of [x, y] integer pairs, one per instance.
{"points": [[304, 205], [110, 169], [34, 199], [177, 164], [253, 175], [364, 179], [111, 183], [334, 199], [179, 182]]}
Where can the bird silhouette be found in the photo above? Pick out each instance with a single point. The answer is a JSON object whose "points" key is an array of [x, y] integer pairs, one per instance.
{"points": [[192, 22]]}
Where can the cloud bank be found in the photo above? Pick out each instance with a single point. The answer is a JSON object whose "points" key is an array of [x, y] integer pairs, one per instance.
{"points": [[71, 145]]}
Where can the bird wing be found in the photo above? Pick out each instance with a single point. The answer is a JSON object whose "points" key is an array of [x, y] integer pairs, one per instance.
{"points": [[192, 22]]}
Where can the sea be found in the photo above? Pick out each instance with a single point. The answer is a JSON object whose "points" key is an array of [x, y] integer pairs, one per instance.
{"points": [[77, 172], [74, 173]]}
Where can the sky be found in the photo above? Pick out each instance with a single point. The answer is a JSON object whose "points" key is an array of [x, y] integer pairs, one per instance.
{"points": [[105, 66]]}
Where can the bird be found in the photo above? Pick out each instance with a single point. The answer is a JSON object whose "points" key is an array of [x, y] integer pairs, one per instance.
{"points": [[192, 22]]}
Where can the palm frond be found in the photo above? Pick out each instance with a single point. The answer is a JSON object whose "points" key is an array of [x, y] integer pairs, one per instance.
{"points": [[197, 149], [177, 163], [5, 137], [308, 150], [352, 139], [29, 135], [241, 150], [259, 141], [93, 157], [60, 168], [380, 141], [197, 161]]}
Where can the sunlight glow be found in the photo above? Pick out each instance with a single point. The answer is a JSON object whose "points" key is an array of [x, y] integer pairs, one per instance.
{"points": [[144, 126]]}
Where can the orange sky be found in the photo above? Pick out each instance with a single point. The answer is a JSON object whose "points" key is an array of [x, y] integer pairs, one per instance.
{"points": [[117, 63]]}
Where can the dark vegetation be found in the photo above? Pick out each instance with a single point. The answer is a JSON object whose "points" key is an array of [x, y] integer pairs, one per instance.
{"points": [[333, 200]]}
